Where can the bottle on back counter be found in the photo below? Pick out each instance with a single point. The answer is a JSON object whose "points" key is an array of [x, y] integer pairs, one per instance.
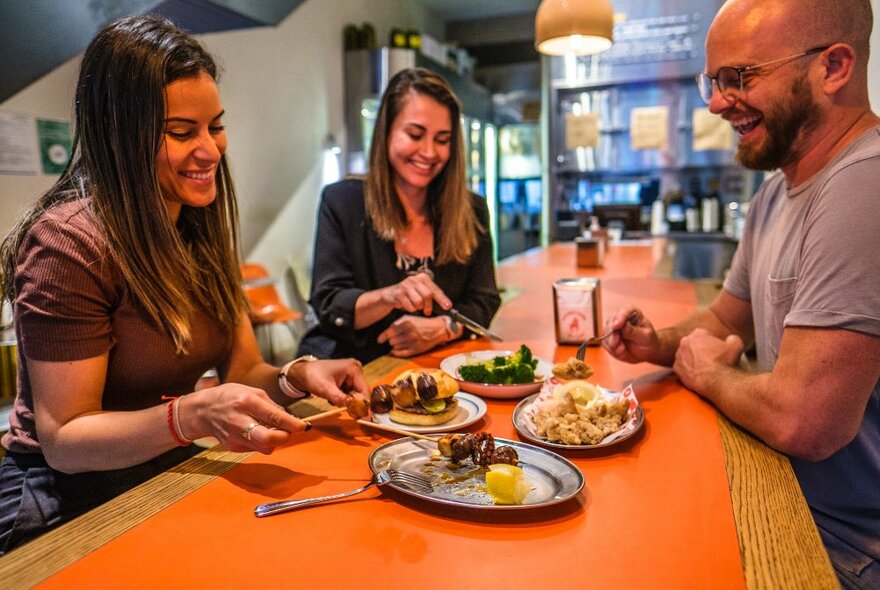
{"points": [[710, 213], [711, 209], [675, 216], [692, 205], [658, 218], [368, 36], [692, 219]]}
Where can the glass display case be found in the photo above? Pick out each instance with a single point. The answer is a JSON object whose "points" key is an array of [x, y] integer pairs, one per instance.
{"points": [[520, 188]]}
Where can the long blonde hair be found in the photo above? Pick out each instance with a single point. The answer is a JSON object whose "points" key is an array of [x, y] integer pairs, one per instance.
{"points": [[456, 226], [172, 270]]}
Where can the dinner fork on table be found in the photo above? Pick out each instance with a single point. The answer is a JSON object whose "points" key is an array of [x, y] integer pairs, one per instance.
{"points": [[408, 480], [632, 318]]}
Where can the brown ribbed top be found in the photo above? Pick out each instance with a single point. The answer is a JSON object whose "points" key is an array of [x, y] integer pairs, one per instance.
{"points": [[73, 304]]}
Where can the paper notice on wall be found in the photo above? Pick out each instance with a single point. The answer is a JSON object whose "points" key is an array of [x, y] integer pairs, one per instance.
{"points": [[711, 132], [649, 128], [18, 145], [581, 131]]}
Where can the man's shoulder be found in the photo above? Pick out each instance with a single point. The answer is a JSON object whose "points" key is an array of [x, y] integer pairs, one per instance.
{"points": [[865, 147]]}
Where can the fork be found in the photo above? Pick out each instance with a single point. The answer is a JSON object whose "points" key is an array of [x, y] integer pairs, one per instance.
{"points": [[409, 480], [582, 349]]}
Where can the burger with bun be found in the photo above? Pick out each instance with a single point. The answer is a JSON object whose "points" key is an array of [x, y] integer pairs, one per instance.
{"points": [[418, 398]]}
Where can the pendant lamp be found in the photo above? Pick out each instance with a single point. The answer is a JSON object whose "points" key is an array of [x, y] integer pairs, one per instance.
{"points": [[578, 27]]}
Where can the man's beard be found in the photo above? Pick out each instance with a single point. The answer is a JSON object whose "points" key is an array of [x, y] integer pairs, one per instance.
{"points": [[785, 122]]}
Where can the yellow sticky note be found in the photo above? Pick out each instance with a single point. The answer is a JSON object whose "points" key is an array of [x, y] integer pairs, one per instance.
{"points": [[649, 128], [711, 132], [581, 131]]}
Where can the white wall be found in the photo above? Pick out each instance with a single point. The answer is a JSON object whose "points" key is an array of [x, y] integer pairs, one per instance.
{"points": [[49, 98], [282, 89]]}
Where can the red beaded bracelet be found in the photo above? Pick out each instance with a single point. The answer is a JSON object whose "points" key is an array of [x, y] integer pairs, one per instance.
{"points": [[173, 426]]}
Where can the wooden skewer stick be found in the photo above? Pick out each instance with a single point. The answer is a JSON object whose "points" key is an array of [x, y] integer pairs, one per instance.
{"points": [[433, 439], [326, 414]]}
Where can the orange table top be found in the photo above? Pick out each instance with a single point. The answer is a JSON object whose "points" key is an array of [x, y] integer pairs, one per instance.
{"points": [[656, 510]]}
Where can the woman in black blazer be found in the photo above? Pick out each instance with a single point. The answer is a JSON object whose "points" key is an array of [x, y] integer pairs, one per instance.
{"points": [[408, 238]]}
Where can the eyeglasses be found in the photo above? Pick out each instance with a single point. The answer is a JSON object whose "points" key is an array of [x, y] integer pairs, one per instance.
{"points": [[729, 79]]}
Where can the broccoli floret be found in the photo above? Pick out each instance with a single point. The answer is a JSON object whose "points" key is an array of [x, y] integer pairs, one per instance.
{"points": [[522, 373], [475, 373], [502, 370], [523, 356]]}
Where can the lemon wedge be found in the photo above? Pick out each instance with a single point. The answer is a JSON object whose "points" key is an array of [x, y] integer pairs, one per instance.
{"points": [[581, 392], [507, 484]]}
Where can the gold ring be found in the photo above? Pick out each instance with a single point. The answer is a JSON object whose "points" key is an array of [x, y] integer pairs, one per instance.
{"points": [[247, 431]]}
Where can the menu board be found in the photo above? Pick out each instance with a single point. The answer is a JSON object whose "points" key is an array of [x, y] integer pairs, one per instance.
{"points": [[652, 40]]}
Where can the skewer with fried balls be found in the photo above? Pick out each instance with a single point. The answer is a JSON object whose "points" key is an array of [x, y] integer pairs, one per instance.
{"points": [[383, 397], [479, 447]]}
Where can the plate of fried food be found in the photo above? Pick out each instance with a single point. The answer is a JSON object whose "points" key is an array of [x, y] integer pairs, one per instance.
{"points": [[481, 472], [575, 414], [424, 400], [498, 374]]}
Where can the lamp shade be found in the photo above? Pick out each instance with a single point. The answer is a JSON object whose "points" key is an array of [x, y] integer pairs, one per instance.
{"points": [[579, 27]]}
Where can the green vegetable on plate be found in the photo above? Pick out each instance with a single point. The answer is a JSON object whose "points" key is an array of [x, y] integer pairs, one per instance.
{"points": [[516, 368]]}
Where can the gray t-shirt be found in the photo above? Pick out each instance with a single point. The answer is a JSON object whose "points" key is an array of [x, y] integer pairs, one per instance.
{"points": [[809, 258]]}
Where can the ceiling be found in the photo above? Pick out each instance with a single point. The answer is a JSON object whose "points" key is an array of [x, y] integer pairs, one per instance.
{"points": [[38, 35], [500, 36], [460, 10]]}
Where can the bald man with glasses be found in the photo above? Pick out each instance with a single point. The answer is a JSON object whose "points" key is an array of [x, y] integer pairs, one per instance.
{"points": [[791, 78]]}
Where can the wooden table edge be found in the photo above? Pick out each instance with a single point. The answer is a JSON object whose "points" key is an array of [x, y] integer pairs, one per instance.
{"points": [[779, 544]]}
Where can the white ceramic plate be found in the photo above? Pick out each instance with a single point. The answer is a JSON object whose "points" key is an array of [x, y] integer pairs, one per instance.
{"points": [[470, 409], [554, 479], [521, 423], [452, 363]]}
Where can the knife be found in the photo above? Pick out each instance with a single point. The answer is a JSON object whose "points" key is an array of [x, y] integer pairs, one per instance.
{"points": [[472, 325]]}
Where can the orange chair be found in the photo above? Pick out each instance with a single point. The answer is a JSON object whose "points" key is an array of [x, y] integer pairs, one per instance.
{"points": [[265, 307]]}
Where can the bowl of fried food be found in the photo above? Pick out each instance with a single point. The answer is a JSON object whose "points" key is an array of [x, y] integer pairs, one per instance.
{"points": [[570, 412]]}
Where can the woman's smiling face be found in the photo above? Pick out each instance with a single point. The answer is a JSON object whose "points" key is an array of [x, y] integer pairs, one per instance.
{"points": [[193, 142], [419, 143]]}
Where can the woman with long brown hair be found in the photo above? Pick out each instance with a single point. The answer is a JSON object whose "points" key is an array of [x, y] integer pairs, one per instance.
{"points": [[125, 287], [408, 237]]}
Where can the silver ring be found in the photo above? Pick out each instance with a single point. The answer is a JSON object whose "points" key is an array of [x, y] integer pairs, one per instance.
{"points": [[247, 431]]}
